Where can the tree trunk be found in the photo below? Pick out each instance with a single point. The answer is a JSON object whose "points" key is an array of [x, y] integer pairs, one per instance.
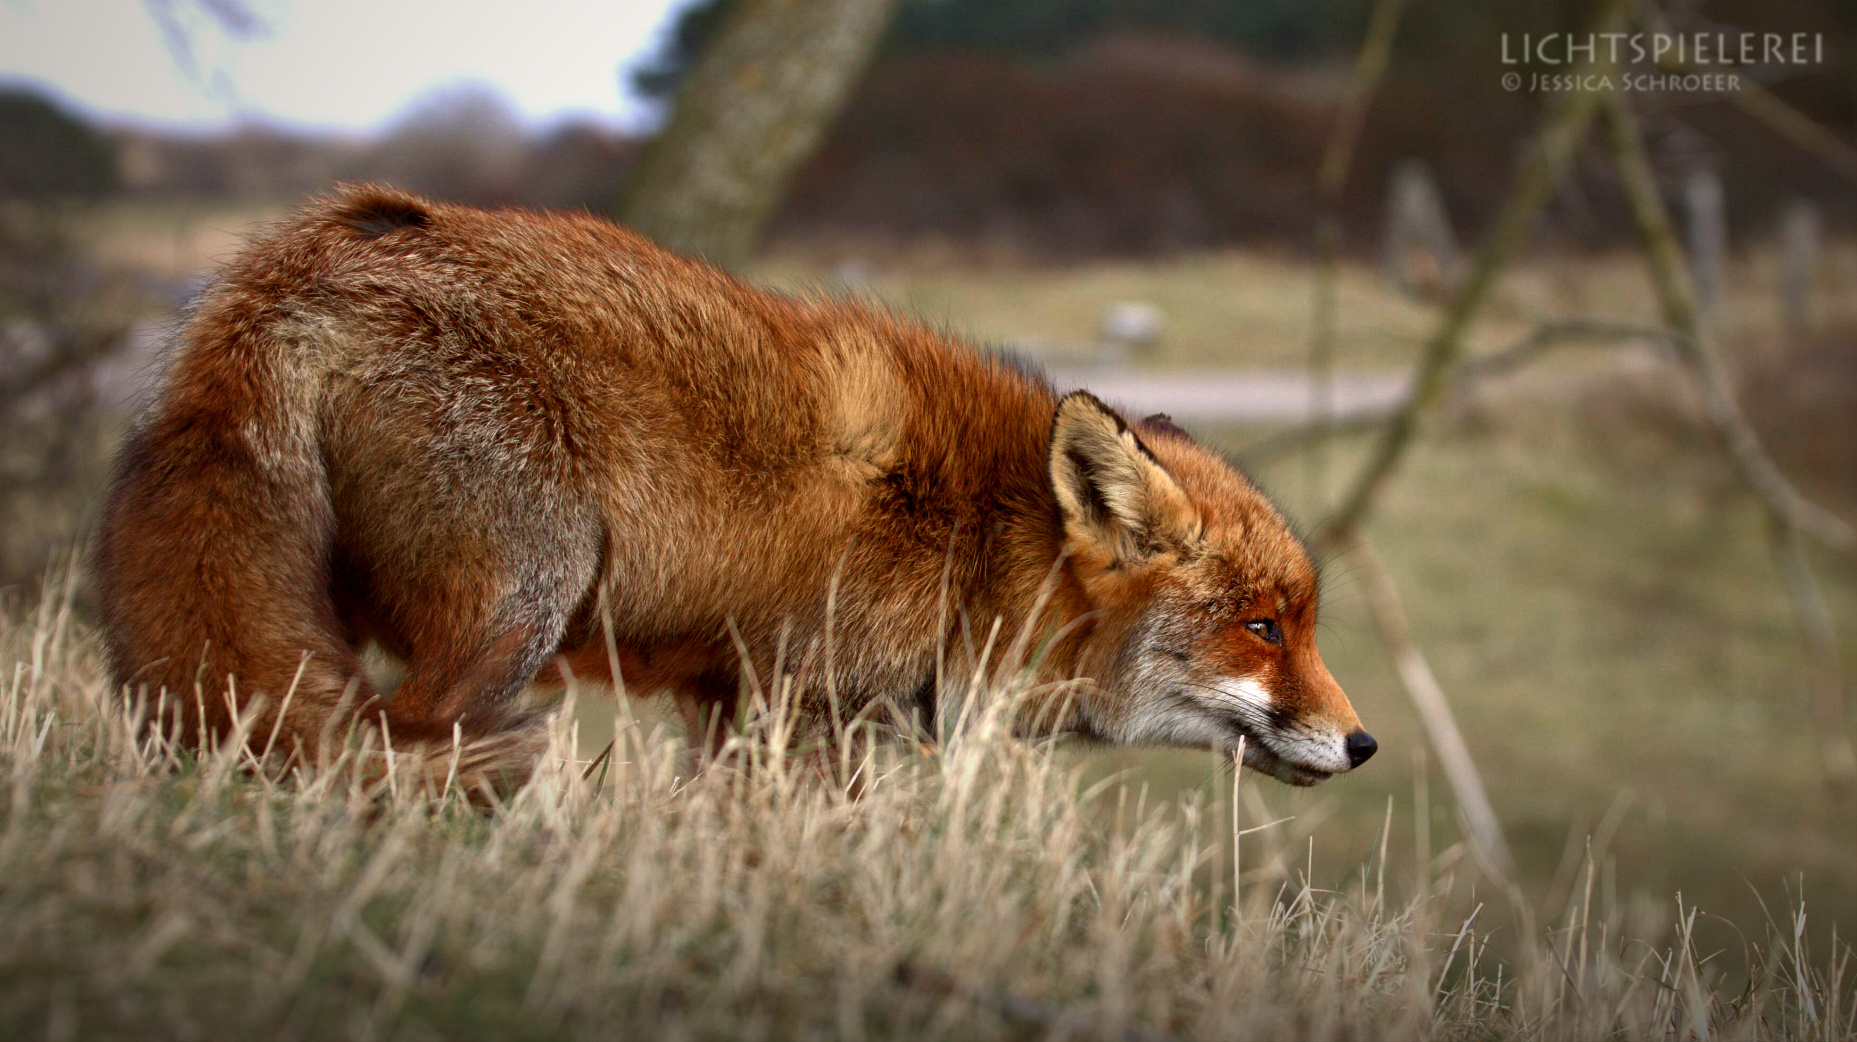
{"points": [[748, 114]]}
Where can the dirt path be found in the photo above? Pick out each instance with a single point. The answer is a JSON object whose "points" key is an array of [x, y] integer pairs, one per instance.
{"points": [[1232, 395]]}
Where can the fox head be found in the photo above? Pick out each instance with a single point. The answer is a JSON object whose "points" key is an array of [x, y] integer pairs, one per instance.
{"points": [[1203, 601]]}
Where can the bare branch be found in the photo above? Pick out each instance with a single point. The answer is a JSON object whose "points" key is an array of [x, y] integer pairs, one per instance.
{"points": [[1797, 128], [1776, 115], [234, 17], [1533, 346], [1331, 178], [1676, 297], [1789, 512], [1434, 709], [1561, 135], [1369, 69]]}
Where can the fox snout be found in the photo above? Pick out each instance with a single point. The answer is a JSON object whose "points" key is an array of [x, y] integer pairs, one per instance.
{"points": [[1319, 735], [1300, 730]]}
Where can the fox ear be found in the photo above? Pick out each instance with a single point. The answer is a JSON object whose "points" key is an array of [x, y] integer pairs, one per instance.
{"points": [[1111, 491]]}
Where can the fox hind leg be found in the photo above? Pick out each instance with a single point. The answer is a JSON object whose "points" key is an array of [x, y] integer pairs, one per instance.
{"points": [[708, 703], [468, 657]]}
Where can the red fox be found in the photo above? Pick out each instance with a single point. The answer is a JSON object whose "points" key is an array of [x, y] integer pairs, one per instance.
{"points": [[499, 444]]}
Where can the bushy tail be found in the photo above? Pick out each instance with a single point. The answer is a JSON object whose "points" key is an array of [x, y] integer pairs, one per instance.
{"points": [[213, 561]]}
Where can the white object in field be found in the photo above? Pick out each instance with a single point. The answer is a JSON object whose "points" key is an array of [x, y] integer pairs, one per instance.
{"points": [[1133, 323], [854, 274], [1418, 247], [1708, 240], [1800, 237]]}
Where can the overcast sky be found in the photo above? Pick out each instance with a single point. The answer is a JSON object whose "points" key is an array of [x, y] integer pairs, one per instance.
{"points": [[336, 64]]}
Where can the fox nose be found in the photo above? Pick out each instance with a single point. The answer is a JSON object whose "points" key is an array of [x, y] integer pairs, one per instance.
{"points": [[1361, 746]]}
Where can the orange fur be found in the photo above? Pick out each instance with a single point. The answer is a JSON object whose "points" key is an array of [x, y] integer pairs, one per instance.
{"points": [[484, 440]]}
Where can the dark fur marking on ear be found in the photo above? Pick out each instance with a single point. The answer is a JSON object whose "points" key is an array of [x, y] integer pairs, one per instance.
{"points": [[1161, 423], [1121, 425], [1093, 500], [1085, 396], [376, 213]]}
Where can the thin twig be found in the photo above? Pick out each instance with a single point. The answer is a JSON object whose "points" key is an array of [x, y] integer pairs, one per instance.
{"points": [[1434, 709], [1529, 348], [1548, 335], [1369, 69], [1331, 178], [1237, 831], [1767, 108], [1798, 128], [1676, 297]]}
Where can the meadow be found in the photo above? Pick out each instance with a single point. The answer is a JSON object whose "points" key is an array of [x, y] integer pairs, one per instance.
{"points": [[1589, 581]]}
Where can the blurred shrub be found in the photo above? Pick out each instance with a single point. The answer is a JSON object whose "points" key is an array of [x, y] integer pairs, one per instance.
{"points": [[47, 153], [1802, 397], [251, 162], [577, 166], [1284, 30], [63, 320], [1139, 143], [1134, 145], [658, 75], [462, 143]]}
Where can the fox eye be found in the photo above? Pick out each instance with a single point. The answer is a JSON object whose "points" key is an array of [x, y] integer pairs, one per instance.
{"points": [[1266, 630]]}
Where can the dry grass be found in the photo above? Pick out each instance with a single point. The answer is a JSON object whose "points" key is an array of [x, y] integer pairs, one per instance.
{"points": [[973, 890]]}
